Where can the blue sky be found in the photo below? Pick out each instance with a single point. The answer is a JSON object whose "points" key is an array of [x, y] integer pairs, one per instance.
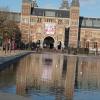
{"points": [[88, 8]]}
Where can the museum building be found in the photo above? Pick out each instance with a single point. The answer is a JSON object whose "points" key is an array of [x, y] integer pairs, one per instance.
{"points": [[64, 26]]}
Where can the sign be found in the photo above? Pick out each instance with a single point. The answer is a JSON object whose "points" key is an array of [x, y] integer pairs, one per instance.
{"points": [[50, 28]]}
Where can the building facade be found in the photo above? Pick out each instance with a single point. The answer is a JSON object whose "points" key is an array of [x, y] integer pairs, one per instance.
{"points": [[64, 25]]}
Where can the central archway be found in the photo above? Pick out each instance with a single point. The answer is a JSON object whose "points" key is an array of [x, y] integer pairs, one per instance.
{"points": [[48, 42]]}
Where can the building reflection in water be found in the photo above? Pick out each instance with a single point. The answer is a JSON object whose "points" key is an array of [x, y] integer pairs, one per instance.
{"points": [[70, 77], [88, 74], [52, 74], [7, 78]]}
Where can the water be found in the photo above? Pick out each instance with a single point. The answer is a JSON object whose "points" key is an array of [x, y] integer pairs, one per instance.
{"points": [[53, 77]]}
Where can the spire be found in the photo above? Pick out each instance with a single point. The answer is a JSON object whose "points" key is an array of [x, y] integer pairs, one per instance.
{"points": [[75, 3], [34, 3], [64, 4]]}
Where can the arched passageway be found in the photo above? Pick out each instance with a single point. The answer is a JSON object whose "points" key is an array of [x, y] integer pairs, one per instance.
{"points": [[48, 42]]}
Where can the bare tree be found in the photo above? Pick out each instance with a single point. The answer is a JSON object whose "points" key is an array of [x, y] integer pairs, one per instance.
{"points": [[8, 30], [3, 26]]}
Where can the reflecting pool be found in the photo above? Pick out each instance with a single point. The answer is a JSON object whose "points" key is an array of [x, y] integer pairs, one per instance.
{"points": [[53, 77]]}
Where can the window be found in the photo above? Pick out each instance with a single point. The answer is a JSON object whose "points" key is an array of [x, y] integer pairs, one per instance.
{"points": [[96, 23], [60, 21], [49, 20], [25, 20], [83, 22], [88, 22], [33, 20], [95, 45], [39, 20], [66, 22], [87, 44], [50, 13]]}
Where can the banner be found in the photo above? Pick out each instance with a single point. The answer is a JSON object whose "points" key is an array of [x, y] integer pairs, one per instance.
{"points": [[50, 28]]}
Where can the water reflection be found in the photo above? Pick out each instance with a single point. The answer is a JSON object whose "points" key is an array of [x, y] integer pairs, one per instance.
{"points": [[51, 77], [7, 79], [46, 74], [88, 74]]}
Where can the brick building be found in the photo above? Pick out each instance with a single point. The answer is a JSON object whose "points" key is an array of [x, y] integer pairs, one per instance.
{"points": [[63, 25]]}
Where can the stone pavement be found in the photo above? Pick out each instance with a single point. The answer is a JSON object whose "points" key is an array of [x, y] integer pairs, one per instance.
{"points": [[6, 96], [9, 58], [6, 59], [3, 54]]}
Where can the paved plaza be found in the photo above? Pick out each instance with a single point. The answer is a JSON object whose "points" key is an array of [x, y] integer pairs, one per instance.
{"points": [[5, 96], [9, 58]]}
